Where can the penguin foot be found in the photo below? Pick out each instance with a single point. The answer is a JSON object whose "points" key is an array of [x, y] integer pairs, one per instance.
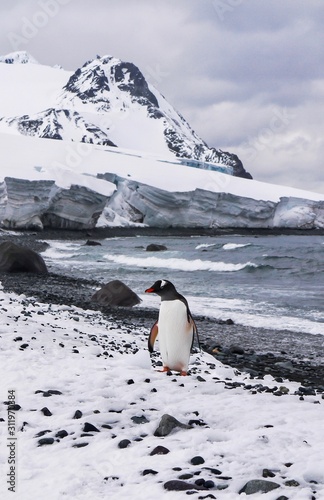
{"points": [[164, 369], [183, 373]]}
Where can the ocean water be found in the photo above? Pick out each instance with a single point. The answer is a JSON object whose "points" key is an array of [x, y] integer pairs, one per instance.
{"points": [[274, 282]]}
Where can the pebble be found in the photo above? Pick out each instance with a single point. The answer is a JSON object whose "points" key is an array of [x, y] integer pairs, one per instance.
{"points": [[90, 428], [159, 450], [176, 485], [306, 391], [139, 420], [292, 482], [124, 443], [149, 471], [77, 415], [79, 445], [42, 433], [46, 412], [267, 473], [213, 471], [14, 407], [61, 434], [197, 460], [44, 441]]}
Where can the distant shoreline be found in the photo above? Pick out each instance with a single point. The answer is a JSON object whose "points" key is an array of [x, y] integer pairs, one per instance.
{"points": [[110, 232]]}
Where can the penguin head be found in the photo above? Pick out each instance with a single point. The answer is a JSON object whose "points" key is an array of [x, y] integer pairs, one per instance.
{"points": [[162, 288]]}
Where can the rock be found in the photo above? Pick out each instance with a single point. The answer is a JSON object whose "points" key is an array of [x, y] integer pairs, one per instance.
{"points": [[306, 391], [258, 486], [199, 422], [167, 424], [140, 420], [46, 412], [116, 293], [77, 415], [90, 428], [160, 450], [285, 365], [44, 441], [42, 433], [14, 407], [267, 473], [92, 243], [149, 471], [292, 483], [153, 247], [18, 259], [217, 472], [61, 434], [124, 443], [80, 445], [198, 460], [176, 485], [236, 349]]}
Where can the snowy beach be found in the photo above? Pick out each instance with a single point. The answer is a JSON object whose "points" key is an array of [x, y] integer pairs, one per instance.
{"points": [[84, 385]]}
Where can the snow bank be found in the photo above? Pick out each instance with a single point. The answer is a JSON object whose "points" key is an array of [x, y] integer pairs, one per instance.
{"points": [[132, 188], [68, 368]]}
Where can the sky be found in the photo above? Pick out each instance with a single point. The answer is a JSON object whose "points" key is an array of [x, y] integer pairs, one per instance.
{"points": [[248, 75]]}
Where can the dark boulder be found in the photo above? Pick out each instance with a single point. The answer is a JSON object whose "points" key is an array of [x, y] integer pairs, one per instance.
{"points": [[258, 486], [116, 293], [18, 259], [176, 485], [92, 243], [153, 247], [167, 424]]}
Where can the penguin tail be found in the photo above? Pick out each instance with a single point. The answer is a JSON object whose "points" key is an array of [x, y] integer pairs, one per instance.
{"points": [[152, 337]]}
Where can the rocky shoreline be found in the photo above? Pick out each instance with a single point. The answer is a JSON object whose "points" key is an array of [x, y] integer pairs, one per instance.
{"points": [[283, 354]]}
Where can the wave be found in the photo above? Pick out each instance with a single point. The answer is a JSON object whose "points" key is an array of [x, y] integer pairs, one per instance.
{"points": [[233, 246], [205, 245], [61, 250], [178, 264], [278, 257]]}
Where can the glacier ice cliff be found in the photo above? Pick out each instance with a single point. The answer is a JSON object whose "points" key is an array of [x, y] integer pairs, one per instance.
{"points": [[39, 204], [140, 203]]}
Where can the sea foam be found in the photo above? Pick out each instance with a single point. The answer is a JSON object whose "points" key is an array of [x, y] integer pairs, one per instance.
{"points": [[179, 264]]}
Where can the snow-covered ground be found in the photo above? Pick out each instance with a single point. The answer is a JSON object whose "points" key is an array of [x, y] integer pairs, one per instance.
{"points": [[105, 372], [78, 163]]}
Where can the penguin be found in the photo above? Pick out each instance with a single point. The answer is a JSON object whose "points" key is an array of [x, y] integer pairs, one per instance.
{"points": [[175, 327]]}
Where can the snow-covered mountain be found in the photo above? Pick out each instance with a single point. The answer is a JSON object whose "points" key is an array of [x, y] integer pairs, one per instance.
{"points": [[109, 102], [124, 157]]}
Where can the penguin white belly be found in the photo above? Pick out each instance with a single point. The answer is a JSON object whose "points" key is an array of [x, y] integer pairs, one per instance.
{"points": [[175, 335]]}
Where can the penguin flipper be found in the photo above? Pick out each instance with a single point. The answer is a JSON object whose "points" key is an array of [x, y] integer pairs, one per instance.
{"points": [[194, 331], [152, 337]]}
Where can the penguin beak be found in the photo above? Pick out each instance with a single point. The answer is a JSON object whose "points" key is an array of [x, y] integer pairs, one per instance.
{"points": [[150, 290]]}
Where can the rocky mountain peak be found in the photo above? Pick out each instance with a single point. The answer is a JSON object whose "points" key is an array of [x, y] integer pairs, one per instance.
{"points": [[109, 102], [19, 57], [105, 79]]}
